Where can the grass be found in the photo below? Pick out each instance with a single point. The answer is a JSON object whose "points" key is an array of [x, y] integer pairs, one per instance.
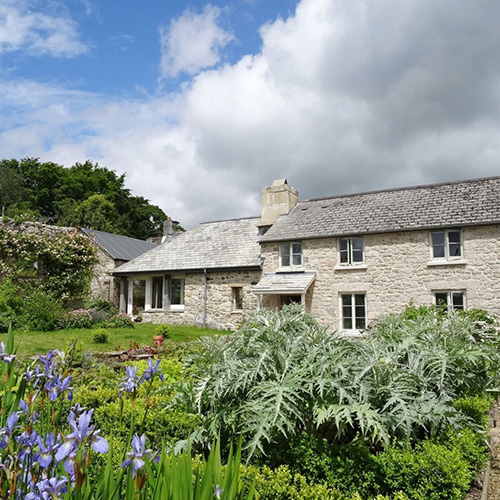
{"points": [[41, 342]]}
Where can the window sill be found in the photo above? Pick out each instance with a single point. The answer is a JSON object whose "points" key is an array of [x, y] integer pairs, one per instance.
{"points": [[352, 333], [350, 268], [290, 270], [434, 263], [154, 311], [237, 311]]}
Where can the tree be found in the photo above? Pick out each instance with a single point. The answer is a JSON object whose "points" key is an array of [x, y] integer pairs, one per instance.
{"points": [[98, 213]]}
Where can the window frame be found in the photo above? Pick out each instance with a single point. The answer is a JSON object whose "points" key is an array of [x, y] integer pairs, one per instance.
{"points": [[355, 328], [237, 296], [180, 306], [350, 252], [450, 306], [153, 293], [290, 255], [446, 236]]}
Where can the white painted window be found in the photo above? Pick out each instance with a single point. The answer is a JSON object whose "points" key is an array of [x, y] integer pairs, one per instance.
{"points": [[446, 245], [353, 311], [451, 299], [291, 254], [351, 251]]}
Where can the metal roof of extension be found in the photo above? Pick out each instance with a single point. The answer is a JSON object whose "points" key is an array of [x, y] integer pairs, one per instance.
{"points": [[459, 203], [119, 247], [283, 283]]}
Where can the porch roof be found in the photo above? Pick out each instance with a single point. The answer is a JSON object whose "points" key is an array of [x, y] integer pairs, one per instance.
{"points": [[284, 283]]}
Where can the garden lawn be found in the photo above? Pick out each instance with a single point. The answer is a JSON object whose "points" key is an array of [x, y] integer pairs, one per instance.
{"points": [[118, 338]]}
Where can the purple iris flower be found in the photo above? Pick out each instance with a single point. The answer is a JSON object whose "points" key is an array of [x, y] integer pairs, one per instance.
{"points": [[27, 443], [218, 491], [130, 382], [47, 449], [8, 431], [136, 457], [82, 432], [57, 386], [151, 371], [5, 356], [52, 489]]}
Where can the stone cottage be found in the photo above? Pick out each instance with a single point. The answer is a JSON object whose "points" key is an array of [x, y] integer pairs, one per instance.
{"points": [[113, 250], [349, 259]]}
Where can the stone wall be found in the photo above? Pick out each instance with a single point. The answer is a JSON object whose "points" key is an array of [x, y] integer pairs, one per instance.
{"points": [[220, 311], [398, 269]]}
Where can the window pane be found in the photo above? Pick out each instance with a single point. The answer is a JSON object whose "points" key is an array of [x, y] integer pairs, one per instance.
{"points": [[346, 300], [458, 300], [357, 255], [344, 257], [438, 238], [455, 250], [360, 323], [441, 299], [157, 301], [438, 246], [454, 236], [357, 243], [177, 291], [297, 259], [297, 248], [238, 297], [285, 254], [359, 300], [347, 323], [343, 244]]}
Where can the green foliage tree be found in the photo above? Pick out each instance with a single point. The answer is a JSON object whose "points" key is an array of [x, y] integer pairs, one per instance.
{"points": [[49, 193], [98, 213]]}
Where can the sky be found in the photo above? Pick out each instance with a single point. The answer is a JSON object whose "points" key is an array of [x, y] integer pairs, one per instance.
{"points": [[203, 104]]}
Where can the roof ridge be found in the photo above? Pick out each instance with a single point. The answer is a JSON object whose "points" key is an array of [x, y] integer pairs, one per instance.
{"points": [[230, 220], [403, 188]]}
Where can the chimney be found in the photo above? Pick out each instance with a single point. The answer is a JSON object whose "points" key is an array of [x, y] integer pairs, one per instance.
{"points": [[168, 230], [278, 199]]}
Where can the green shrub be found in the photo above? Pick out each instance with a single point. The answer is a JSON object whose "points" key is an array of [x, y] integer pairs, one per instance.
{"points": [[430, 470], [100, 337], [79, 318], [41, 312], [282, 484], [160, 426], [120, 320], [74, 352], [476, 408], [11, 304], [163, 330]]}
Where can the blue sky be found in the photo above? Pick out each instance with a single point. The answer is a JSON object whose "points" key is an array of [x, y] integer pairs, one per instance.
{"points": [[201, 104]]}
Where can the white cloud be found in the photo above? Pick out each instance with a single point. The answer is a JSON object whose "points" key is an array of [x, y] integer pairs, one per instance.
{"points": [[192, 42], [344, 96], [36, 32]]}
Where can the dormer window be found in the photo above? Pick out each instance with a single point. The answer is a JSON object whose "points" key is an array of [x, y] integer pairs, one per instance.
{"points": [[291, 254], [351, 251], [446, 245]]}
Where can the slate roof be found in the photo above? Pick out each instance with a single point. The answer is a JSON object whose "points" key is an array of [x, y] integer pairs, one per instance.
{"points": [[461, 203], [120, 247], [284, 283], [211, 245]]}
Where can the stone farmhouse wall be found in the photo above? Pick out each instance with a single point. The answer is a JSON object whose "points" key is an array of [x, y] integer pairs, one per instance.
{"points": [[398, 269], [220, 311], [103, 285]]}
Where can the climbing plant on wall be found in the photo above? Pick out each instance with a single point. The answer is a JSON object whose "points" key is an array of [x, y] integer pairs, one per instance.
{"points": [[60, 262]]}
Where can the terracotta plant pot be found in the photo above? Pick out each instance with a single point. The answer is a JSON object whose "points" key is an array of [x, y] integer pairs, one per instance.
{"points": [[158, 340]]}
